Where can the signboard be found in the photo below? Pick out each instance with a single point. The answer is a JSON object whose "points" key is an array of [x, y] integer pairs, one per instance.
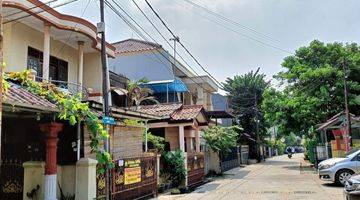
{"points": [[108, 120], [132, 171], [132, 175]]}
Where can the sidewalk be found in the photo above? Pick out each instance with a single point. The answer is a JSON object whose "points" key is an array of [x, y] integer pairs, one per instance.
{"points": [[278, 178]]}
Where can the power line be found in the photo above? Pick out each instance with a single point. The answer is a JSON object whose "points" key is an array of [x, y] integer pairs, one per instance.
{"points": [[37, 6], [68, 38], [182, 45], [242, 34], [43, 10], [144, 38], [226, 19], [176, 53]]}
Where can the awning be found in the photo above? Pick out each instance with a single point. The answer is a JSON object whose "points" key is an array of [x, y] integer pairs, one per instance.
{"points": [[175, 85], [120, 91]]}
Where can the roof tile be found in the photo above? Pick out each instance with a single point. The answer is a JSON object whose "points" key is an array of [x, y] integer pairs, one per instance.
{"points": [[187, 112], [18, 95], [174, 111], [134, 45], [160, 110]]}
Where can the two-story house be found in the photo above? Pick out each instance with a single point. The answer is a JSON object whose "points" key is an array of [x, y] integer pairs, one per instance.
{"points": [[39, 152], [169, 78]]}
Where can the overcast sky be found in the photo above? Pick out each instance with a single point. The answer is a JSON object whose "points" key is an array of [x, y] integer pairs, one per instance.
{"points": [[287, 24]]}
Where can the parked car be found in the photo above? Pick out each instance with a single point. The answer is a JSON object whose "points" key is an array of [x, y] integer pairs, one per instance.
{"points": [[339, 170], [352, 188]]}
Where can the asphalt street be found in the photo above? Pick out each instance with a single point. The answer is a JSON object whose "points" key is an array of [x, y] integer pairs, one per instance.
{"points": [[279, 178]]}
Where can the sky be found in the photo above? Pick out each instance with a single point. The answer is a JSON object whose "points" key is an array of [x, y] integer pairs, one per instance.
{"points": [[274, 24]]}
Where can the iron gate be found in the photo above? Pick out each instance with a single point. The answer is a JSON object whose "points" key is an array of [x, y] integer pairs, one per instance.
{"points": [[132, 178], [11, 179], [195, 168]]}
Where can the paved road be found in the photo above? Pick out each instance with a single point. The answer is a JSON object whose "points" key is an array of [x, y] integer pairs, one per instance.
{"points": [[278, 178]]}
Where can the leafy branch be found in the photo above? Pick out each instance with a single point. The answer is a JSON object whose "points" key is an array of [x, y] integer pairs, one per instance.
{"points": [[71, 109]]}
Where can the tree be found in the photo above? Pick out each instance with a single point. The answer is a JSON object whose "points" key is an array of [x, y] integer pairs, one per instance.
{"points": [[137, 94], [221, 139], [314, 87], [245, 93]]}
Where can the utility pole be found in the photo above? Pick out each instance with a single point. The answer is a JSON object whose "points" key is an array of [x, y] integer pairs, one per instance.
{"points": [[257, 128], [175, 39], [346, 99], [1, 69], [105, 90]]}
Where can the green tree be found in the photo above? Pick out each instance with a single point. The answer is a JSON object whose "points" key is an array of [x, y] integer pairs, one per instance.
{"points": [[221, 139], [245, 93], [313, 82], [137, 95]]}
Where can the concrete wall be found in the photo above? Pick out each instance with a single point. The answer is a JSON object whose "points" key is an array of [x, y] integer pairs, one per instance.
{"points": [[34, 175], [67, 179], [172, 136], [214, 162], [135, 66], [18, 37], [92, 71]]}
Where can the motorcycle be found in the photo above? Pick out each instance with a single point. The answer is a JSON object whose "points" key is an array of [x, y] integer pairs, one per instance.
{"points": [[289, 155]]}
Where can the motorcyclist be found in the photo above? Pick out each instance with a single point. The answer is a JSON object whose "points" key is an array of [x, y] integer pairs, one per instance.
{"points": [[289, 151]]}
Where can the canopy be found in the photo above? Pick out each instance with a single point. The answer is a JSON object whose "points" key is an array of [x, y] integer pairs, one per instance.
{"points": [[175, 85]]}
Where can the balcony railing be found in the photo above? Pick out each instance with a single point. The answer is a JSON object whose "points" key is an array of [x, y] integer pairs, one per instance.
{"points": [[69, 87]]}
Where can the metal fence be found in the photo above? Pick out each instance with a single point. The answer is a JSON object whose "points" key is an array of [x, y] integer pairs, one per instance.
{"points": [[132, 178], [229, 160], [244, 154], [195, 168]]}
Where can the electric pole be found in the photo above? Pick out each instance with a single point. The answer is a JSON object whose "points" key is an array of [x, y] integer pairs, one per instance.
{"points": [[346, 99], [105, 90], [1, 69], [175, 39], [257, 128]]}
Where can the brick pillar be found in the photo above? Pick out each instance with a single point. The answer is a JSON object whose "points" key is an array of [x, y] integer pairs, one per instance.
{"points": [[51, 131]]}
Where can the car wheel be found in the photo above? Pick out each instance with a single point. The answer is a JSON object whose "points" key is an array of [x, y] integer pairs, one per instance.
{"points": [[342, 176]]}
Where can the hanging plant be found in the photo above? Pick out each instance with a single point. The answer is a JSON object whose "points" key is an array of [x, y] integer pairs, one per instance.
{"points": [[71, 109]]}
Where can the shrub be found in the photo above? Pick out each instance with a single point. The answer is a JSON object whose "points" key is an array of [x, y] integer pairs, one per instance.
{"points": [[156, 141], [221, 139], [174, 166]]}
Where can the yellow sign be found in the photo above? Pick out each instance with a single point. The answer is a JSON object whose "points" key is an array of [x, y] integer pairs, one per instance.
{"points": [[132, 175], [132, 163]]}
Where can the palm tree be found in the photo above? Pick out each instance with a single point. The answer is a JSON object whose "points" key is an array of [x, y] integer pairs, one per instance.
{"points": [[137, 94]]}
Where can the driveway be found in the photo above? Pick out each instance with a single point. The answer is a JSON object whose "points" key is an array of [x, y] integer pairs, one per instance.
{"points": [[276, 179]]}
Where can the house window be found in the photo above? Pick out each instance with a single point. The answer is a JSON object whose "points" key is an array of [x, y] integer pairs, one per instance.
{"points": [[58, 69]]}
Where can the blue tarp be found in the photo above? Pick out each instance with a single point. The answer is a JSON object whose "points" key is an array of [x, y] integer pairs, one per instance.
{"points": [[166, 86]]}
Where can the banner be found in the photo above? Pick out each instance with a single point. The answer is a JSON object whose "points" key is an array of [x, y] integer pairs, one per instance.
{"points": [[132, 172]]}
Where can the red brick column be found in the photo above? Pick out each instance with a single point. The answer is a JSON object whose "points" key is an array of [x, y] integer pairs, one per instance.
{"points": [[51, 131]]}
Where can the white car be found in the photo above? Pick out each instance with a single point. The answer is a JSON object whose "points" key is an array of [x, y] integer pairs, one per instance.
{"points": [[339, 170]]}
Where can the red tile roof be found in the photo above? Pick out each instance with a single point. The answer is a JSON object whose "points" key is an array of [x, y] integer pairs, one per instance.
{"points": [[160, 110], [18, 96], [174, 111], [187, 112], [134, 45]]}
